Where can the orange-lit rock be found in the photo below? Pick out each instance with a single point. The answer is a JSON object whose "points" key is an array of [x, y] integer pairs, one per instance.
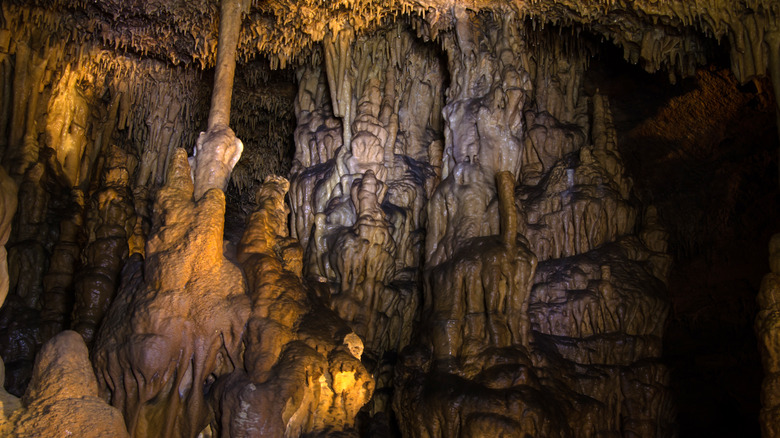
{"points": [[8, 203], [189, 310], [302, 371], [62, 399], [473, 245]]}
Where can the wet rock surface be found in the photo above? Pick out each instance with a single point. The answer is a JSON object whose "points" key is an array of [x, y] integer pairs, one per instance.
{"points": [[62, 398], [472, 246]]}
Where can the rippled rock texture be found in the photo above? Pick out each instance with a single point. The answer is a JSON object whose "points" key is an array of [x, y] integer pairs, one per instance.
{"points": [[459, 251], [62, 398], [541, 306]]}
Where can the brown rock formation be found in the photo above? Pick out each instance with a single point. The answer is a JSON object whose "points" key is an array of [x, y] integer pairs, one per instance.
{"points": [[62, 398], [766, 327], [359, 182], [110, 220], [457, 188], [188, 313], [302, 373], [8, 207]]}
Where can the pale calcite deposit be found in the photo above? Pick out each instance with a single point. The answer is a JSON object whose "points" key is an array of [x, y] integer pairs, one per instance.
{"points": [[463, 253], [358, 193]]}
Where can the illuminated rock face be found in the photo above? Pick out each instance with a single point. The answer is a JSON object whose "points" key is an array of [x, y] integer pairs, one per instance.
{"points": [[9, 201], [188, 307], [62, 398], [464, 254], [531, 267], [302, 372], [360, 182]]}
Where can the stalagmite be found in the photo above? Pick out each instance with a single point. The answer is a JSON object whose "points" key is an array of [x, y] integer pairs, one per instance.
{"points": [[57, 300], [8, 402], [302, 372], [110, 220], [189, 309], [766, 329], [472, 241], [62, 398]]}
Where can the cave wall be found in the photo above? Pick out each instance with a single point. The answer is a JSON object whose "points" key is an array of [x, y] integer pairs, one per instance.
{"points": [[466, 252], [531, 263]]}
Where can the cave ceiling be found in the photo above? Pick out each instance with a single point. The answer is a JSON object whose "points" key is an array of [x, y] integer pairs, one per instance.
{"points": [[655, 33]]}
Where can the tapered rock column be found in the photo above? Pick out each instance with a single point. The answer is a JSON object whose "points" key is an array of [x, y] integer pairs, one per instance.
{"points": [[218, 150], [189, 311], [189, 306], [7, 210], [362, 175]]}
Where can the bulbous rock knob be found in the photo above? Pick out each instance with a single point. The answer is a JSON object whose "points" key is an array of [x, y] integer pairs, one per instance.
{"points": [[216, 153], [354, 345]]}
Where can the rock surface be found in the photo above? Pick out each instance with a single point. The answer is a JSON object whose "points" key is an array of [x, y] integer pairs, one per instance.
{"points": [[302, 372], [189, 311], [474, 258], [62, 399], [767, 325]]}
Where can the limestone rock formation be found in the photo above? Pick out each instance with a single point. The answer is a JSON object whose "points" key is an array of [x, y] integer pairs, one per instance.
{"points": [[62, 399], [495, 322], [189, 308], [8, 207], [302, 372], [465, 252], [9, 402], [110, 222], [766, 327], [361, 176]]}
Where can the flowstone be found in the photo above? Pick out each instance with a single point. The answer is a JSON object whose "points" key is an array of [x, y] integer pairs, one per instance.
{"points": [[189, 310], [302, 372], [542, 307]]}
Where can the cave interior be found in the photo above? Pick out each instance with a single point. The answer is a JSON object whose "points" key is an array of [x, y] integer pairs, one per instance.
{"points": [[389, 218]]}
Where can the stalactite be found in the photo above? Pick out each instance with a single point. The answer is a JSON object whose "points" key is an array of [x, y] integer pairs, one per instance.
{"points": [[573, 201], [218, 150], [500, 219], [339, 189]]}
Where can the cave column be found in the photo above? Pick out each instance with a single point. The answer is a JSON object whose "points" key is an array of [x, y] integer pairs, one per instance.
{"points": [[473, 300], [218, 150]]}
